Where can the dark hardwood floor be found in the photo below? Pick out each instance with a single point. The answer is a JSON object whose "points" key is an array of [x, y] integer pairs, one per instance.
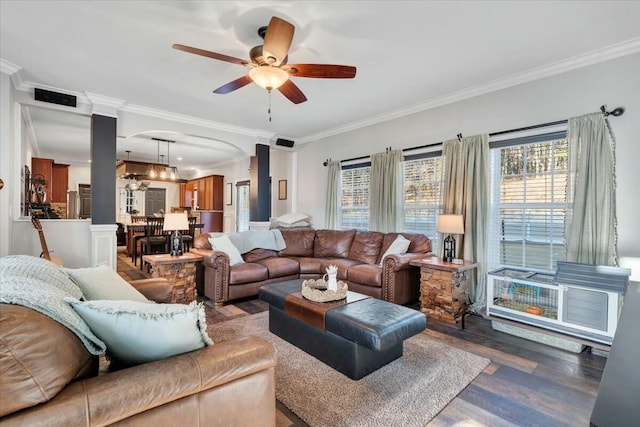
{"points": [[526, 384]]}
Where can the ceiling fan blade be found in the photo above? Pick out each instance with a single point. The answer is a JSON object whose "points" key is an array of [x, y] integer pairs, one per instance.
{"points": [[236, 84], [277, 40], [292, 92], [210, 54], [320, 71]]}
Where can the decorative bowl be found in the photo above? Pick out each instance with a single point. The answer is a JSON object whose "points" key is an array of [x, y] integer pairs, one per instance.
{"points": [[316, 290]]}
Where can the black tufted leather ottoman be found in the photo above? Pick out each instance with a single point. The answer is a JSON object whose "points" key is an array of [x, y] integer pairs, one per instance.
{"points": [[354, 338]]}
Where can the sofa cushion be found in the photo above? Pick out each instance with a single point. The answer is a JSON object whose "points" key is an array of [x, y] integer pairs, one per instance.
{"points": [[299, 242], [138, 332], [258, 254], [342, 264], [365, 273], [310, 265], [247, 273], [333, 243], [103, 282], [366, 246], [39, 268], [38, 358], [419, 243], [280, 267]]}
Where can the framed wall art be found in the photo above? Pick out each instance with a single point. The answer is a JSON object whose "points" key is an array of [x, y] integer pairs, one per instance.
{"points": [[282, 189], [229, 194]]}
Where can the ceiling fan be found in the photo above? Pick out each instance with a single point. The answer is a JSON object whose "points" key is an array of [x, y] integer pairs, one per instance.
{"points": [[268, 65]]}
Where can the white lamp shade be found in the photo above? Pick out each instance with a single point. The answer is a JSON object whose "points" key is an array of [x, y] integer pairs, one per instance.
{"points": [[450, 224], [268, 77], [175, 221]]}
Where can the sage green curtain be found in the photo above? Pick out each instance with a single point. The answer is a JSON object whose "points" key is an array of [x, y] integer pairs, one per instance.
{"points": [[466, 193], [332, 205], [385, 193], [591, 229]]}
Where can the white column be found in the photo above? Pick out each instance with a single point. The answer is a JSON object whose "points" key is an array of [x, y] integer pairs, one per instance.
{"points": [[104, 245], [9, 169], [293, 191]]}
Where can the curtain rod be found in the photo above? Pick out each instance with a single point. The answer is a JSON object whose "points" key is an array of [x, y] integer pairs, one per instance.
{"points": [[615, 112]]}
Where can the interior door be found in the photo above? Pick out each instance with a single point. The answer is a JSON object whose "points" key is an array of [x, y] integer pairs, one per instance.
{"points": [[85, 201], [154, 200]]}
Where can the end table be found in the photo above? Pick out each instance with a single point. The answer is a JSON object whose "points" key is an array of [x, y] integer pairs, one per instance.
{"points": [[179, 270], [444, 288]]}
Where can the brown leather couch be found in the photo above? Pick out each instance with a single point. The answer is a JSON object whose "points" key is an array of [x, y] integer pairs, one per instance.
{"points": [[48, 378], [357, 254]]}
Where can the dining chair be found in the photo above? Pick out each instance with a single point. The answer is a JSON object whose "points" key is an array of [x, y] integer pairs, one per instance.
{"points": [[189, 235], [155, 239], [134, 233]]}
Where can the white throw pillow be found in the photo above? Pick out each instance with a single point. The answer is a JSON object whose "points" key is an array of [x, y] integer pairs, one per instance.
{"points": [[103, 283], [223, 244], [138, 332], [292, 218], [398, 247]]}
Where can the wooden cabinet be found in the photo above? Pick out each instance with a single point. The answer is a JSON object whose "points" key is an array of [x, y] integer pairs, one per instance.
{"points": [[210, 192], [59, 183], [56, 175], [186, 195], [42, 167], [213, 221], [217, 192], [205, 188]]}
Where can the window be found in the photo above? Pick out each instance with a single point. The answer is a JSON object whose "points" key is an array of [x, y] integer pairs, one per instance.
{"points": [[423, 195], [529, 201], [355, 196], [242, 206], [129, 200]]}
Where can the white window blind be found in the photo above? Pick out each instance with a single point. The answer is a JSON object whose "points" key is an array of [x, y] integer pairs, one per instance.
{"points": [[355, 197], [423, 196], [529, 203]]}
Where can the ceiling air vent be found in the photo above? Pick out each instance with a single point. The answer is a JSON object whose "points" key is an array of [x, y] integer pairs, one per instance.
{"points": [[54, 97]]}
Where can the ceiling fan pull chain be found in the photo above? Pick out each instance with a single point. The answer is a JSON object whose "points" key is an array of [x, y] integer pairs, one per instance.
{"points": [[269, 110]]}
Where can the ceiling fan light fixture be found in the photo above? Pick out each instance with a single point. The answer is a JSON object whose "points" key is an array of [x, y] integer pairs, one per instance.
{"points": [[268, 77]]}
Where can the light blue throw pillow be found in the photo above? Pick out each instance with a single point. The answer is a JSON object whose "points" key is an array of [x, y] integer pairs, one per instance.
{"points": [[103, 283], [139, 332]]}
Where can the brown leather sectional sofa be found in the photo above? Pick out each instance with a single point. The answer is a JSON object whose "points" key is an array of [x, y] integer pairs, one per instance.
{"points": [[307, 255], [48, 378]]}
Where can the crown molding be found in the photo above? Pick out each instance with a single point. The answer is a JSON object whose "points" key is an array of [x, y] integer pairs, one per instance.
{"points": [[608, 53], [7, 67], [26, 113], [105, 105], [190, 120]]}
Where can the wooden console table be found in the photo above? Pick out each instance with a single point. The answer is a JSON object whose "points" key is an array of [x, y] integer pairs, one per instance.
{"points": [[444, 288], [179, 270]]}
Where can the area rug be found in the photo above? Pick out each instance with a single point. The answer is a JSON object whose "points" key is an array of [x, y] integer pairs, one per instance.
{"points": [[409, 391]]}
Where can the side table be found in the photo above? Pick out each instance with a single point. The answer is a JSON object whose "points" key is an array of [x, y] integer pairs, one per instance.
{"points": [[179, 270], [444, 289]]}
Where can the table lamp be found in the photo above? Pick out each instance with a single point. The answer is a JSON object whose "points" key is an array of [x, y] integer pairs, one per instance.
{"points": [[176, 222], [450, 224]]}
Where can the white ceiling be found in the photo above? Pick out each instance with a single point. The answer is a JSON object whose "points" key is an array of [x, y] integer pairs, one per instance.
{"points": [[407, 54]]}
